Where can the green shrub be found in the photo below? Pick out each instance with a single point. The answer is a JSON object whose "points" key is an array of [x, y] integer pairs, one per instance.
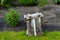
{"points": [[27, 2], [5, 2], [42, 3], [57, 1], [12, 18]]}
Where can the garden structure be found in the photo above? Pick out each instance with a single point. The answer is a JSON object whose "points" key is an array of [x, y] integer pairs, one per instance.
{"points": [[34, 23]]}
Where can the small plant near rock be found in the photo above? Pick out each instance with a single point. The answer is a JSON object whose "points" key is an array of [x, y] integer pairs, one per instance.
{"points": [[45, 21], [12, 18], [27, 2], [42, 3]]}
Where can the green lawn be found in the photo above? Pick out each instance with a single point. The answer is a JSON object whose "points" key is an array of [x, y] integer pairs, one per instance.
{"points": [[55, 35]]}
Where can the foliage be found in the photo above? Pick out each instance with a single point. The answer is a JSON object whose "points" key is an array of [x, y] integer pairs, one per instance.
{"points": [[42, 3], [57, 1], [12, 17], [2, 2], [5, 2], [54, 35], [45, 21], [27, 2]]}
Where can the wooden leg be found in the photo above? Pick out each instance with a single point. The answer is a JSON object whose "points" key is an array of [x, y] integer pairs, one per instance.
{"points": [[28, 27], [27, 31], [39, 19], [33, 21]]}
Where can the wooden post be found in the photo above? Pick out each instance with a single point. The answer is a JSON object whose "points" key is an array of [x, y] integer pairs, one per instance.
{"points": [[40, 28], [34, 25], [28, 20], [28, 27]]}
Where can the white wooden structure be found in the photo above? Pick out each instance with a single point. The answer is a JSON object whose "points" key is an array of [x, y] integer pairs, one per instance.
{"points": [[34, 23]]}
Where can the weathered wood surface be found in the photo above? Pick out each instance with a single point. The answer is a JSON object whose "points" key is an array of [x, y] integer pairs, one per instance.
{"points": [[34, 23]]}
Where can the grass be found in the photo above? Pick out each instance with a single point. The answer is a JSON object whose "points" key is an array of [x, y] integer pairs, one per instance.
{"points": [[55, 35]]}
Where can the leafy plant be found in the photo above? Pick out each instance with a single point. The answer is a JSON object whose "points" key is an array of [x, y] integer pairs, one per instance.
{"points": [[12, 17], [5, 2], [42, 3], [27, 2], [57, 1]]}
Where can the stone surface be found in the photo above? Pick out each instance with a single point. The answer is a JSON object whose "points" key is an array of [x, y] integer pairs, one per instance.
{"points": [[52, 16]]}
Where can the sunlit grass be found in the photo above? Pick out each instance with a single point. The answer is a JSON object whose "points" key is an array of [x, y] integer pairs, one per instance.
{"points": [[55, 35]]}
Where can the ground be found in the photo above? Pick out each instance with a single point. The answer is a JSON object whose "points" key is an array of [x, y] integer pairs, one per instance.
{"points": [[54, 35]]}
